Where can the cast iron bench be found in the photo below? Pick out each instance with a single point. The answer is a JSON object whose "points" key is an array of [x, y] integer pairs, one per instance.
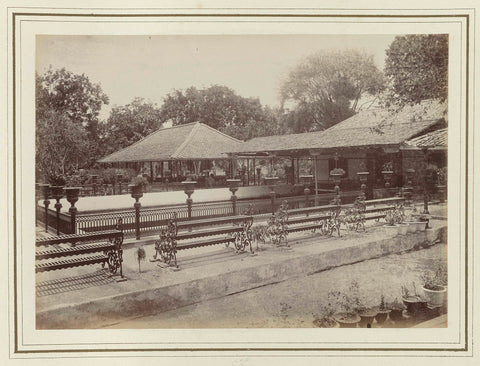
{"points": [[179, 235], [326, 218], [75, 250]]}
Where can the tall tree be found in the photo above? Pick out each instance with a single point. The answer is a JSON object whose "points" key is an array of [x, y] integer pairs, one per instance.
{"points": [[129, 123], [61, 145], [62, 94], [71, 94], [219, 107], [326, 87], [417, 68]]}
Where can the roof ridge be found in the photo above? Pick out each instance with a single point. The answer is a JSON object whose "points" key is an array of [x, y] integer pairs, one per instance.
{"points": [[187, 140], [220, 132], [144, 138]]}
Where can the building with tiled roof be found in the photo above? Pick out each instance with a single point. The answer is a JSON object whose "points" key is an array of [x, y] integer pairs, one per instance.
{"points": [[175, 151], [369, 128], [365, 141], [191, 141]]}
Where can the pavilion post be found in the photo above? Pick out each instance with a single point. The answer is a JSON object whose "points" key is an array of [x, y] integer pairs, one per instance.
{"points": [[316, 180], [425, 183], [254, 173], [46, 203]]}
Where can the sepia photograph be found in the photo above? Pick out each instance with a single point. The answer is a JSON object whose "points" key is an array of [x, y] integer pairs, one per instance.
{"points": [[184, 181], [234, 182]]}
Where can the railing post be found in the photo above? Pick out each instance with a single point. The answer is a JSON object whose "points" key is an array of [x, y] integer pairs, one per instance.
{"points": [[189, 188], [363, 176], [119, 180], [306, 181], [136, 192], [46, 203], [72, 196], [337, 174], [233, 183], [271, 181], [57, 193]]}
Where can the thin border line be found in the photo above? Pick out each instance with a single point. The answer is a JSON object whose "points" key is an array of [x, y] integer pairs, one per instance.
{"points": [[14, 15]]}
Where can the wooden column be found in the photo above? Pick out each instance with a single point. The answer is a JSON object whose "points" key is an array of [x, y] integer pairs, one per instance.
{"points": [[316, 180]]}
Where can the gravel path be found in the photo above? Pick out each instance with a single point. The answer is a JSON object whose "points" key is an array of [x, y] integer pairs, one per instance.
{"points": [[295, 302]]}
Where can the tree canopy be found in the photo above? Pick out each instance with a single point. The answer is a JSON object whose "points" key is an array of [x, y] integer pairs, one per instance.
{"points": [[326, 87], [129, 123], [221, 108], [61, 145], [67, 109], [416, 67], [71, 94]]}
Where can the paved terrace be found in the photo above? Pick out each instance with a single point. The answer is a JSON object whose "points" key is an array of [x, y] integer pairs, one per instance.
{"points": [[152, 199], [88, 297]]}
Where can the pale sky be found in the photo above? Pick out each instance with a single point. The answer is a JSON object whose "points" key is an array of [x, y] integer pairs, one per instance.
{"points": [[151, 66]]}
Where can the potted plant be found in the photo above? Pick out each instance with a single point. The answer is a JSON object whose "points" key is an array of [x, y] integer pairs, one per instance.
{"points": [[396, 310], [348, 302], [382, 311], [412, 300], [412, 221], [434, 285], [390, 226], [367, 315], [399, 214], [336, 174], [325, 318]]}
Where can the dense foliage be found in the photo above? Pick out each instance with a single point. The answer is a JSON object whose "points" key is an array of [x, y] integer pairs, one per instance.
{"points": [[221, 108], [416, 67], [326, 87], [67, 123], [128, 124]]}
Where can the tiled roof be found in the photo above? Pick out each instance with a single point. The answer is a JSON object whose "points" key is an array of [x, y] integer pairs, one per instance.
{"points": [[367, 128], [189, 141], [436, 139]]}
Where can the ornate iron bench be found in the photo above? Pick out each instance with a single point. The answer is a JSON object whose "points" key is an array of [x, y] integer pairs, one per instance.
{"points": [[75, 250], [238, 233], [326, 219]]}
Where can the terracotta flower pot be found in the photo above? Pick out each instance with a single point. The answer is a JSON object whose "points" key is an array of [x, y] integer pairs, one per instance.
{"points": [[412, 227], [391, 230], [382, 315], [421, 225], [435, 297], [396, 314], [347, 320], [414, 304], [367, 317]]}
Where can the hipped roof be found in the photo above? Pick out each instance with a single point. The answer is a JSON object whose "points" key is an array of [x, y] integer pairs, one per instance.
{"points": [[434, 140], [375, 127], [192, 141]]}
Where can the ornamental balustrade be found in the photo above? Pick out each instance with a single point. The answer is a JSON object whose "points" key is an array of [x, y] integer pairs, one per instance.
{"points": [[153, 219]]}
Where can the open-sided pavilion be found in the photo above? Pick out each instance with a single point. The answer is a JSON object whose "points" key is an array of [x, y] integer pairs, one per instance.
{"points": [[363, 142], [176, 152]]}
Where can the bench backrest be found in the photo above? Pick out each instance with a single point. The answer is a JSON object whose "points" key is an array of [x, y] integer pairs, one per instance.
{"points": [[78, 238]]}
